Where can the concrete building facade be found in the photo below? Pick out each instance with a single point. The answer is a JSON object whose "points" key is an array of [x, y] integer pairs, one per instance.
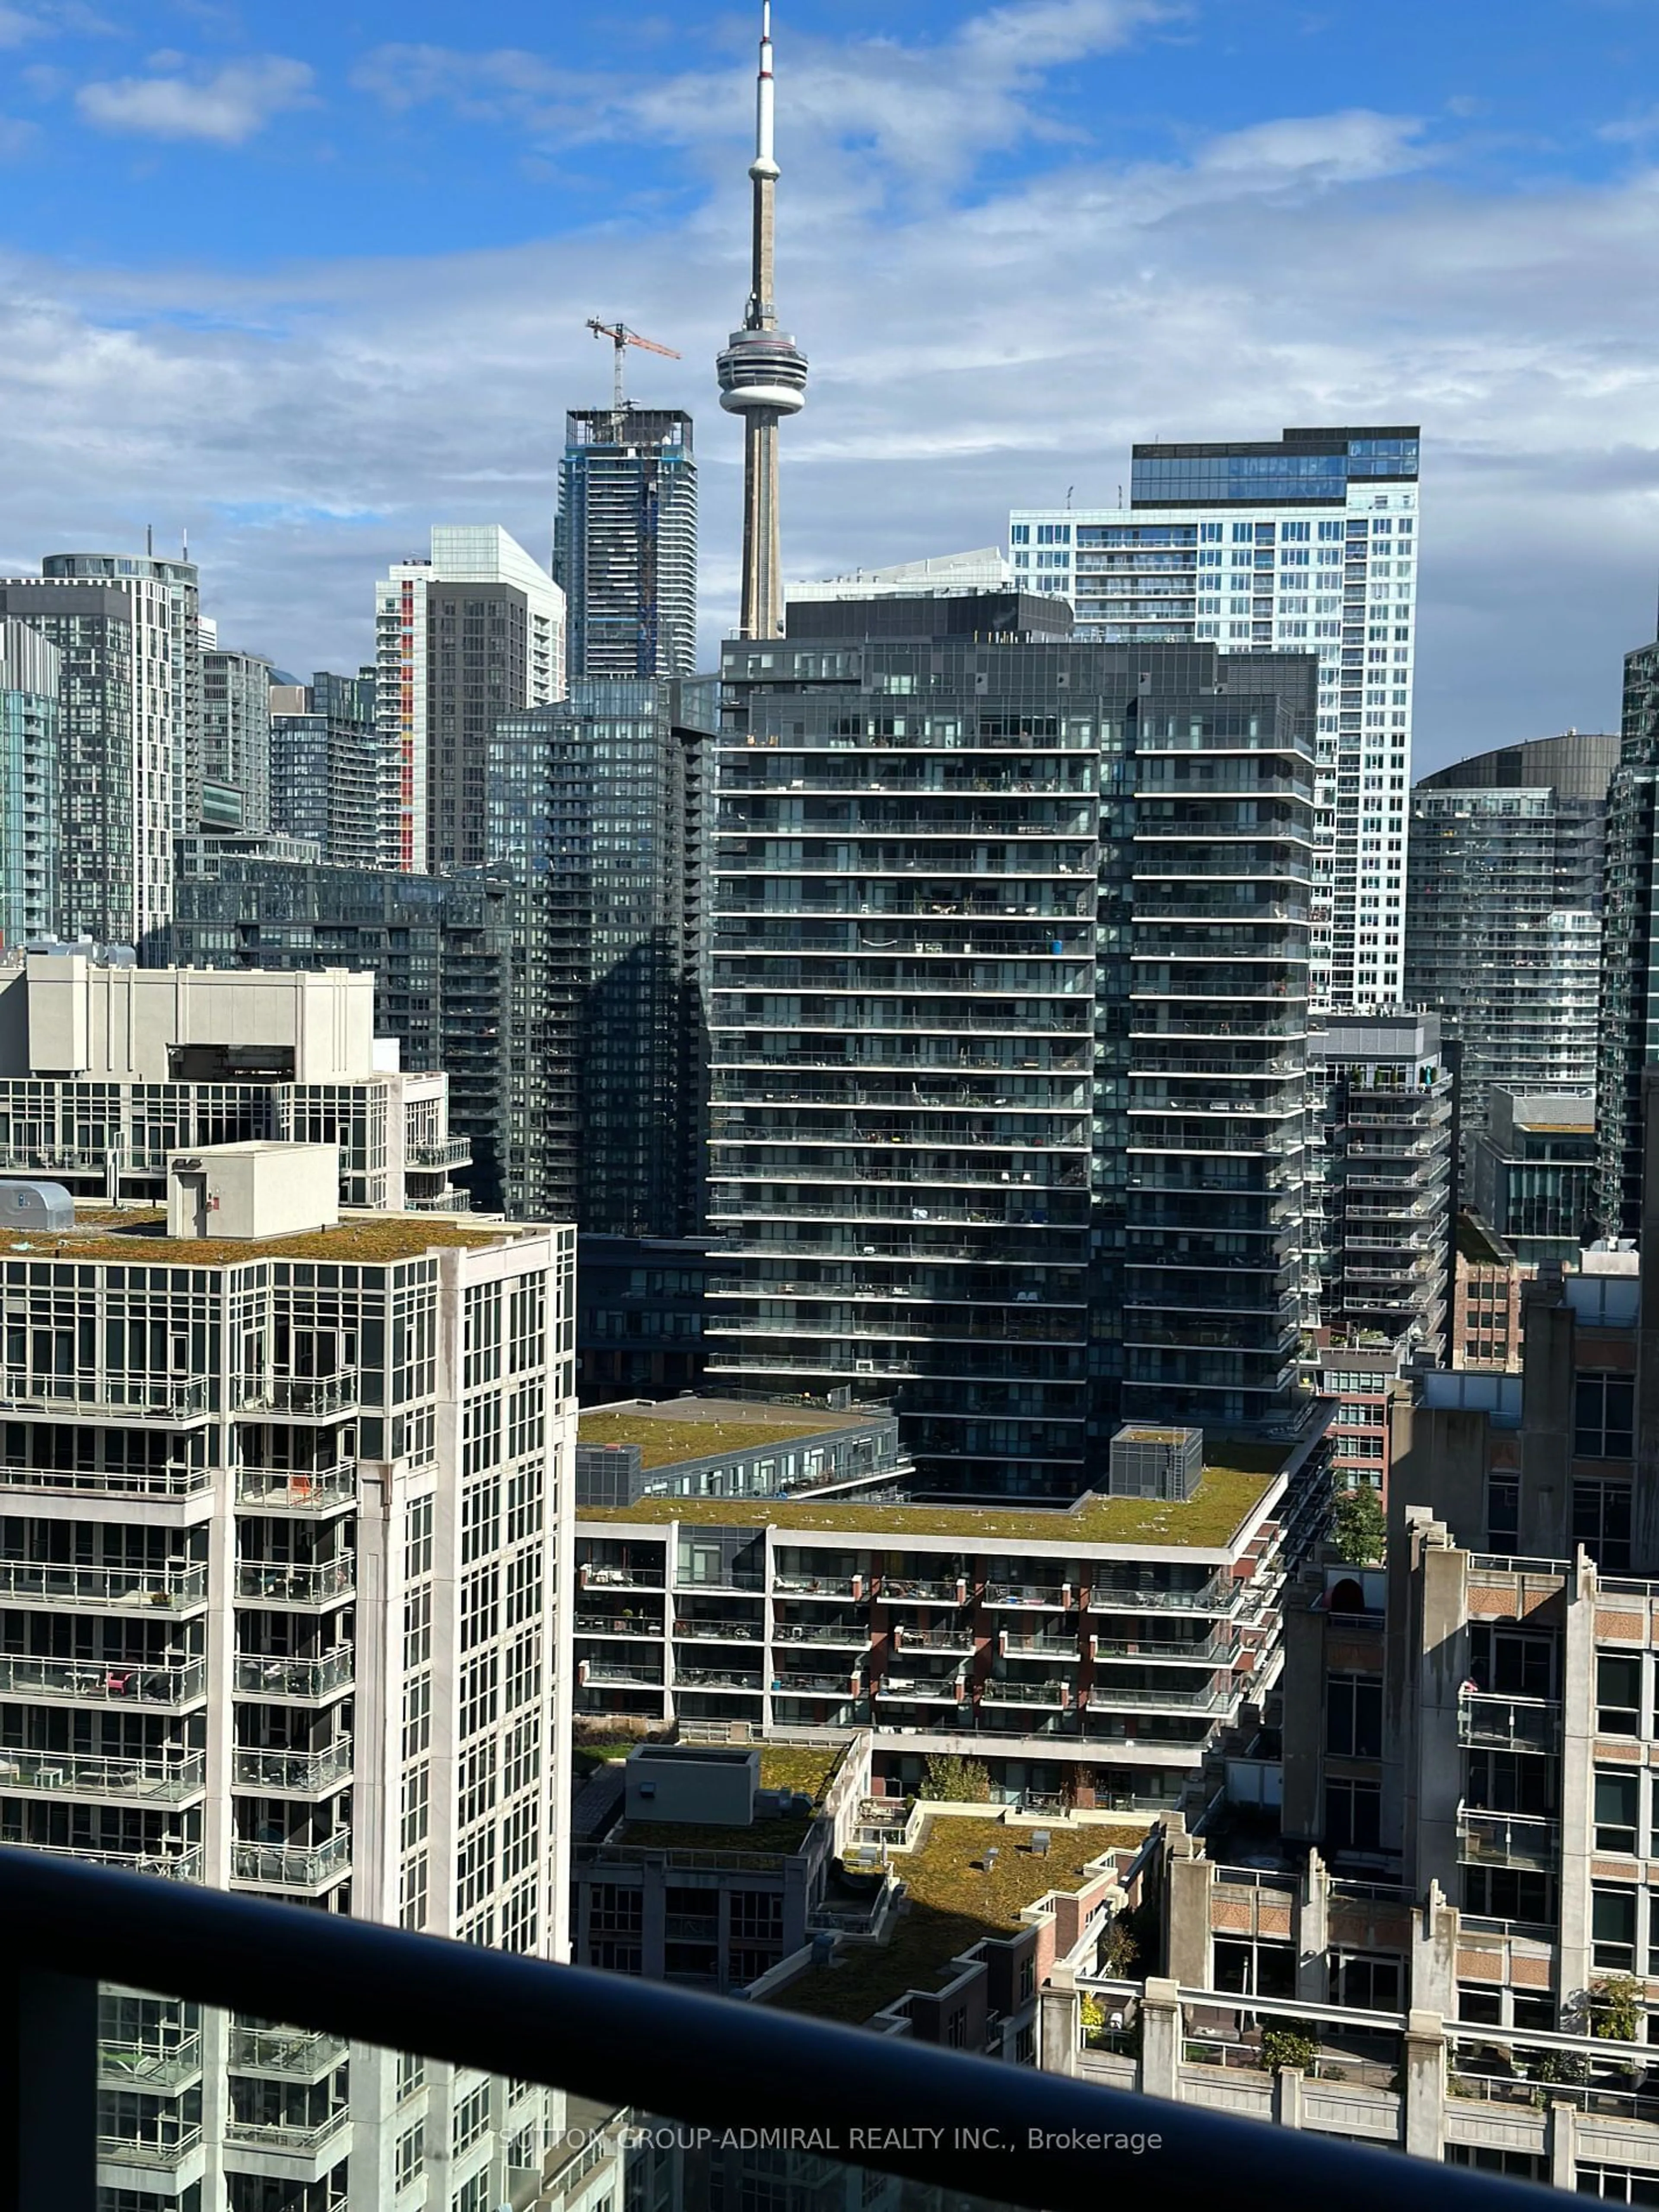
{"points": [[473, 631], [283, 1608], [107, 1073]]}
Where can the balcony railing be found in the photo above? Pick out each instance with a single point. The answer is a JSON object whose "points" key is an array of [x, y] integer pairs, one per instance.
{"points": [[104, 1682], [446, 1152], [301, 1397], [263, 1676], [291, 1773], [277, 1584], [302, 2136], [300, 2054], [173, 1588], [297, 1490], [103, 1397], [76, 1774], [182, 1865], [293, 1866], [1508, 1839], [1510, 1724], [920, 2113]]}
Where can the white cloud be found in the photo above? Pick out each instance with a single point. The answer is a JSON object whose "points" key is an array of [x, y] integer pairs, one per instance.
{"points": [[223, 107], [1351, 147], [1306, 270], [929, 112]]}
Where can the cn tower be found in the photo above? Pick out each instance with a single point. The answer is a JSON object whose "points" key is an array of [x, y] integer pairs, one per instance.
{"points": [[762, 373]]}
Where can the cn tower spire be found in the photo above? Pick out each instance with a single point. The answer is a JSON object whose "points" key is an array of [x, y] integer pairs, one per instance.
{"points": [[762, 376]]}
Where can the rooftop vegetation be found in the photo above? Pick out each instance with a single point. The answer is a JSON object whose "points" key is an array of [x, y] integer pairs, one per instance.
{"points": [[955, 1901], [1236, 1476], [664, 1438]]}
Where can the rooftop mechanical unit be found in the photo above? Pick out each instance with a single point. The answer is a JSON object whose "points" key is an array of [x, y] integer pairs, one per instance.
{"points": [[1147, 1462], [35, 1205]]}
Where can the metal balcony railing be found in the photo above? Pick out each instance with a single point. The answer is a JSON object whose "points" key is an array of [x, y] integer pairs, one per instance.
{"points": [[1510, 1724], [264, 1675], [447, 1153], [273, 1582], [294, 1866], [291, 1773], [172, 1589], [297, 1490], [702, 2063], [100, 1681], [301, 1397], [295, 2052], [118, 1398], [76, 1774], [1508, 1839]]}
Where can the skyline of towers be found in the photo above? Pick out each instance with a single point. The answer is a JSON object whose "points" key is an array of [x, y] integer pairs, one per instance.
{"points": [[762, 377]]}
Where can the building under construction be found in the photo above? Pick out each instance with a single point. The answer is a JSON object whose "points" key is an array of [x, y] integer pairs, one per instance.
{"points": [[625, 546]]}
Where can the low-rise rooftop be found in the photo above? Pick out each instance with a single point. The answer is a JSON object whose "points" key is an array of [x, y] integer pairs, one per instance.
{"points": [[1236, 1476], [955, 1900], [137, 1236], [697, 1428], [806, 1771]]}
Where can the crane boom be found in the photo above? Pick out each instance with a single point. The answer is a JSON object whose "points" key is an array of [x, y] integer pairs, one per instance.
{"points": [[621, 337]]}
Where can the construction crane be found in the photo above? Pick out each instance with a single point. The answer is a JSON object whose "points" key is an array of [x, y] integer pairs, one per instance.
{"points": [[621, 337]]}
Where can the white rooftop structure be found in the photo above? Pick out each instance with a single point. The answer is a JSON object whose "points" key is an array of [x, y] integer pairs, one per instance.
{"points": [[982, 570]]}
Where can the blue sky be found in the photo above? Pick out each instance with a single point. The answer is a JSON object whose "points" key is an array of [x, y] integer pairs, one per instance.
{"points": [[304, 281]]}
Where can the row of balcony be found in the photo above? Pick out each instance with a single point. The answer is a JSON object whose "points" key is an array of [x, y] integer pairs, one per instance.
{"points": [[1221, 1594], [175, 1779], [174, 1399]]}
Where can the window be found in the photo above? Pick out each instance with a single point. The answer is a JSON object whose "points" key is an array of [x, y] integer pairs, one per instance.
{"points": [[1510, 1893], [1618, 1793], [1600, 1522], [1353, 1715], [1353, 1816], [1261, 1970], [1368, 1982], [1605, 1417], [1618, 1695], [1512, 1663], [1612, 1926], [1515, 2164], [411, 2154], [1618, 2184]]}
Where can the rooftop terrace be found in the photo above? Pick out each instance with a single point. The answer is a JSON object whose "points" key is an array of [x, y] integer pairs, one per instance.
{"points": [[138, 1235], [807, 1769], [955, 1901], [697, 1428], [1236, 1476]]}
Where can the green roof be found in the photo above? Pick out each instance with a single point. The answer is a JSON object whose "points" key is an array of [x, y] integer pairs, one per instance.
{"points": [[138, 1238], [1236, 1478], [955, 1902], [1476, 1241], [663, 1439]]}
